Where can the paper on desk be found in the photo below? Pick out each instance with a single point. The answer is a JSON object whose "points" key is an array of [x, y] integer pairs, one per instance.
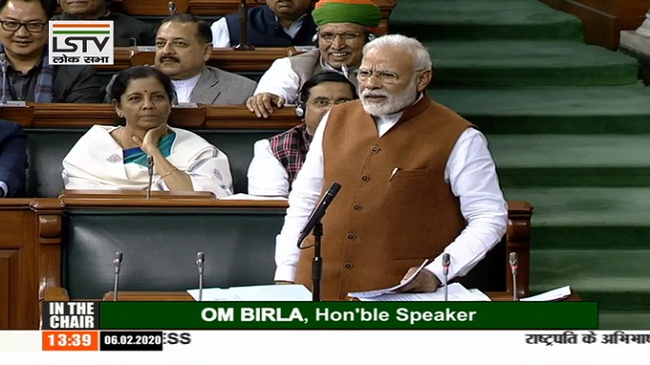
{"points": [[252, 197], [376, 293], [457, 293], [257, 293], [550, 296]]}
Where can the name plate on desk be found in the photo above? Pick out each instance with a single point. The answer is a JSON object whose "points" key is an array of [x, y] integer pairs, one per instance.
{"points": [[13, 103], [186, 106]]}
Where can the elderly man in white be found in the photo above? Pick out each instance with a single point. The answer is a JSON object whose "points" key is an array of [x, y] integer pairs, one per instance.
{"points": [[417, 180], [344, 27]]}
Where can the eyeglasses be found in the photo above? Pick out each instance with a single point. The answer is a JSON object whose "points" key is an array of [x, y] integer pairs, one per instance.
{"points": [[345, 36], [327, 103], [385, 77], [12, 26]]}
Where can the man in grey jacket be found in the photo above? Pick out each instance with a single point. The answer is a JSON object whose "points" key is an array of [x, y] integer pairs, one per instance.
{"points": [[183, 46]]}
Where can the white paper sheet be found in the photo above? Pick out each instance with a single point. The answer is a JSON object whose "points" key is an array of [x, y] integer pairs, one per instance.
{"points": [[252, 197], [376, 293], [457, 293], [257, 293], [549, 296]]}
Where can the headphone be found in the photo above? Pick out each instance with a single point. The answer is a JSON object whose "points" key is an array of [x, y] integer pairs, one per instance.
{"points": [[300, 107]]}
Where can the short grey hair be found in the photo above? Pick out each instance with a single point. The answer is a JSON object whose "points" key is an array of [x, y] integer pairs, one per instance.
{"points": [[420, 55]]}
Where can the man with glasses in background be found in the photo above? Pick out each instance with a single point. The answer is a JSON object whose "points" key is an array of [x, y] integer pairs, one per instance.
{"points": [[24, 58], [344, 27], [416, 180], [277, 160]]}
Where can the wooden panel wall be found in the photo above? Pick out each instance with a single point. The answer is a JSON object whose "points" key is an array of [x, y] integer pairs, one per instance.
{"points": [[18, 263], [604, 19]]}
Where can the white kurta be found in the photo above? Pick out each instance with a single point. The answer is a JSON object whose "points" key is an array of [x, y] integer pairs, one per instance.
{"points": [[280, 79], [185, 87], [266, 174], [96, 163]]}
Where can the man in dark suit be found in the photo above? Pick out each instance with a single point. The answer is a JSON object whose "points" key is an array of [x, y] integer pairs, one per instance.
{"points": [[13, 159], [278, 23]]}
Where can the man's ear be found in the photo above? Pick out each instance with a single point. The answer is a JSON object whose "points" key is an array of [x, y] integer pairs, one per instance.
{"points": [[207, 52], [423, 79]]}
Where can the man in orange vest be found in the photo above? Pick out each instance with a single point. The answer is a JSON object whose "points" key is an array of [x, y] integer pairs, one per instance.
{"points": [[416, 180]]}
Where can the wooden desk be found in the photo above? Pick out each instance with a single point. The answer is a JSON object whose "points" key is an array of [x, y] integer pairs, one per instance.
{"points": [[226, 59], [59, 294], [60, 115], [136, 194], [217, 7]]}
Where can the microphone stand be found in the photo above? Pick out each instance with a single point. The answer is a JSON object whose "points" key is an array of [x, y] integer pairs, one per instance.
{"points": [[317, 263], [200, 260], [446, 261], [117, 262], [150, 171], [243, 36], [314, 221], [513, 269]]}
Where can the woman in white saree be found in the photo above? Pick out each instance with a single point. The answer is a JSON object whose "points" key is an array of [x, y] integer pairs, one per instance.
{"points": [[112, 158]]}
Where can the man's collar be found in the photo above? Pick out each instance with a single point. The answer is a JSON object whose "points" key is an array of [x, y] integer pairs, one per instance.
{"points": [[326, 66]]}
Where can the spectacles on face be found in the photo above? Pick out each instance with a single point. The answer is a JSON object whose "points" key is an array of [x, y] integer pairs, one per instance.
{"points": [[329, 37], [327, 103], [13, 26], [385, 77]]}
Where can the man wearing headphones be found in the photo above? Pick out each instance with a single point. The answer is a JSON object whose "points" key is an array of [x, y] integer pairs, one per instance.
{"points": [[344, 27], [128, 31], [277, 160]]}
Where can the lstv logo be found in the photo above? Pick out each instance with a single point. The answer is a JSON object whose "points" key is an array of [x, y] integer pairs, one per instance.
{"points": [[81, 43]]}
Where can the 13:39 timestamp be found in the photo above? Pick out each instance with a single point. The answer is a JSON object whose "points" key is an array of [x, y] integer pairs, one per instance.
{"points": [[70, 341]]}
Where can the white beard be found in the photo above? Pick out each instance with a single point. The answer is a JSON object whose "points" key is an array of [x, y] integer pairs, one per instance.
{"points": [[393, 103]]}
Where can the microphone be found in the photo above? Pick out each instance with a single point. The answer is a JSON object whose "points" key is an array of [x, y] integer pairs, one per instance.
{"points": [[117, 262], [446, 261], [200, 261], [243, 20], [150, 171], [514, 263], [318, 213], [171, 6], [3, 66]]}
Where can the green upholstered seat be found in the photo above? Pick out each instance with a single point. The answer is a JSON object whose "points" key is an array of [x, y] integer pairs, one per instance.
{"points": [[48, 147]]}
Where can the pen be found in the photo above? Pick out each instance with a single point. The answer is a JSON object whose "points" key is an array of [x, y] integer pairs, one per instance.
{"points": [[392, 174]]}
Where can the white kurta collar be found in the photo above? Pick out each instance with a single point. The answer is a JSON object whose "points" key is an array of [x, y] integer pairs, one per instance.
{"points": [[185, 87]]}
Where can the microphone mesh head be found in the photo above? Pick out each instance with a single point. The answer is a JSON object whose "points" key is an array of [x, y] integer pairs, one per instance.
{"points": [[513, 258]]}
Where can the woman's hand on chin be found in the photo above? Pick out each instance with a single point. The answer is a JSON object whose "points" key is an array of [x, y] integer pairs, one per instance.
{"points": [[151, 139]]}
